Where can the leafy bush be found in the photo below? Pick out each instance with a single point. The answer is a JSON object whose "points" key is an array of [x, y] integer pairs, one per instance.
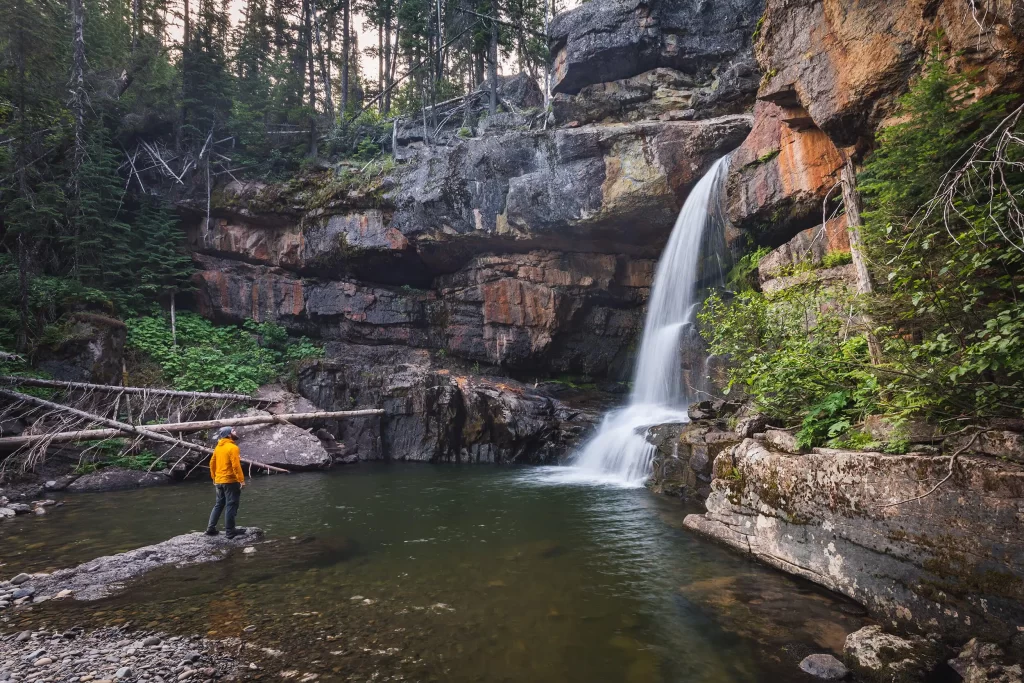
{"points": [[948, 311], [208, 357], [834, 259]]}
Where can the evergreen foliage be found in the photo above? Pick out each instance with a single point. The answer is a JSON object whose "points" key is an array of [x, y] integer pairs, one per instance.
{"points": [[948, 309]]}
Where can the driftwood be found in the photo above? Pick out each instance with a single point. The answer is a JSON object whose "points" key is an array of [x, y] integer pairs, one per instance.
{"points": [[111, 388], [183, 427], [122, 427]]}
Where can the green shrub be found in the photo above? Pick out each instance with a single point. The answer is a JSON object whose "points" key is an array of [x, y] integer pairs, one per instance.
{"points": [[834, 259], [208, 357], [948, 310]]}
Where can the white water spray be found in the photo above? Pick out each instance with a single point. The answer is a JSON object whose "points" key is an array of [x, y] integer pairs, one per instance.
{"points": [[618, 453]]}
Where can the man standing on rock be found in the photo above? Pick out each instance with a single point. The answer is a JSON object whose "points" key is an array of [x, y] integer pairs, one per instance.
{"points": [[226, 472]]}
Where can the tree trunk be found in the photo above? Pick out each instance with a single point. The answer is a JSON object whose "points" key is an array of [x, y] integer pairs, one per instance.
{"points": [[325, 73], [186, 41], [11, 442], [77, 106], [492, 61], [854, 223], [310, 61], [127, 390], [174, 322], [851, 200], [346, 51]]}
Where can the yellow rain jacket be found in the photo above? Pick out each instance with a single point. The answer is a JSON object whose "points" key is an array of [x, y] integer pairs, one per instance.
{"points": [[225, 465]]}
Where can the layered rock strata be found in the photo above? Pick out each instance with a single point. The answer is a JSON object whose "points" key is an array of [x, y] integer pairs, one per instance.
{"points": [[927, 547]]}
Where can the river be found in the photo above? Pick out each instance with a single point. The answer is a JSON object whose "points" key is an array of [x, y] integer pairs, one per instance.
{"points": [[447, 573]]}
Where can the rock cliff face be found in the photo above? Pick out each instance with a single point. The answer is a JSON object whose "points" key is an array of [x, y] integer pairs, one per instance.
{"points": [[521, 252], [833, 70]]}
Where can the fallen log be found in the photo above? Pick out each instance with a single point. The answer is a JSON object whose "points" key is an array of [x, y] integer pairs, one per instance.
{"points": [[114, 389], [184, 427], [123, 427]]}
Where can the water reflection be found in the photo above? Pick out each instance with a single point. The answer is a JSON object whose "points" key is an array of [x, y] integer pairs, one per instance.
{"points": [[451, 573]]}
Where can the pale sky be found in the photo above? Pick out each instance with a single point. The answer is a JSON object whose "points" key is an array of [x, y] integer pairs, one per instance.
{"points": [[367, 37]]}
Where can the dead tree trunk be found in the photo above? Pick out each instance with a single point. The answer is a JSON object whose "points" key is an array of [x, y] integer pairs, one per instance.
{"points": [[122, 427], [10, 442], [77, 106], [492, 60], [854, 223]]}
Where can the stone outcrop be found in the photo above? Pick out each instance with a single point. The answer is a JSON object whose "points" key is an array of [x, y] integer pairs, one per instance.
{"points": [[103, 576], [91, 350], [116, 479], [608, 40], [860, 524], [683, 463], [981, 662], [437, 412]]}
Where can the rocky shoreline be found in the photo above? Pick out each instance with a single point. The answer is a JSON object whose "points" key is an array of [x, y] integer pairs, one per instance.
{"points": [[116, 654]]}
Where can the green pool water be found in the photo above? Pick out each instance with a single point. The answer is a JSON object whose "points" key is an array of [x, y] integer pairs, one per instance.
{"points": [[444, 573]]}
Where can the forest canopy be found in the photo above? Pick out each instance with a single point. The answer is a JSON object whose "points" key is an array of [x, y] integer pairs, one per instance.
{"points": [[115, 113]]}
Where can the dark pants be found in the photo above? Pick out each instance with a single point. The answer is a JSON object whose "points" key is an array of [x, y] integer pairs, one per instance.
{"points": [[227, 495]]}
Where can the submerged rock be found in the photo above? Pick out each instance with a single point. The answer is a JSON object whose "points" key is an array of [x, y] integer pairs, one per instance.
{"points": [[116, 479], [106, 575], [825, 667], [982, 662], [880, 656]]}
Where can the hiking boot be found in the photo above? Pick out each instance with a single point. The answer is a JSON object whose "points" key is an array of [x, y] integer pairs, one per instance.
{"points": [[236, 532], [212, 531]]}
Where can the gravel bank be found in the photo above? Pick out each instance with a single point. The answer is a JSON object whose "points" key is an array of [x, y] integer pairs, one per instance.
{"points": [[114, 655]]}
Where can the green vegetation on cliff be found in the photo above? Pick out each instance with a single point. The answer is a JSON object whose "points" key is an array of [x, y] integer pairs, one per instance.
{"points": [[944, 248], [206, 357]]}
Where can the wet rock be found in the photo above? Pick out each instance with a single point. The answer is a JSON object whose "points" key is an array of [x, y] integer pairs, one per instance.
{"points": [[981, 662], [20, 579], [880, 656], [436, 413], [116, 479], [100, 577], [825, 667], [942, 563]]}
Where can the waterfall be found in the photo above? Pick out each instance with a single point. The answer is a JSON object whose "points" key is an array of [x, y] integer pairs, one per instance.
{"points": [[670, 370]]}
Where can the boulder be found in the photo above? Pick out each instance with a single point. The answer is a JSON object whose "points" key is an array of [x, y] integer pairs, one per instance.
{"points": [[825, 667], [684, 457], [783, 440], [884, 657], [859, 523], [998, 443], [116, 479], [282, 445], [103, 576], [91, 350], [981, 662], [609, 40]]}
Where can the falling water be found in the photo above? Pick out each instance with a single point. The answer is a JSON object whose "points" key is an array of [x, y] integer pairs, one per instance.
{"points": [[618, 453]]}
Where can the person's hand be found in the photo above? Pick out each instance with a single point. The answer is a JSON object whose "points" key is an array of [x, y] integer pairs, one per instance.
{"points": [[242, 484]]}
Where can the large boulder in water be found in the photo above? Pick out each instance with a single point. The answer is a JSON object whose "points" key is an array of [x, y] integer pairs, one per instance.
{"points": [[282, 444]]}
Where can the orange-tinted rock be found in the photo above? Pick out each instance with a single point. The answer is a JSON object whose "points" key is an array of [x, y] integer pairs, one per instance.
{"points": [[781, 173], [846, 61]]}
